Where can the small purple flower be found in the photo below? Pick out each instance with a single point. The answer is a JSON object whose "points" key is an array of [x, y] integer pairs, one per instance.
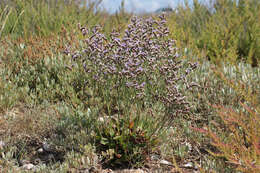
{"points": [[75, 56], [145, 53], [139, 70], [67, 50], [142, 85]]}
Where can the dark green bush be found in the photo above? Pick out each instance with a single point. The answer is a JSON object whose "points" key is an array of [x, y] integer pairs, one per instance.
{"points": [[223, 30]]}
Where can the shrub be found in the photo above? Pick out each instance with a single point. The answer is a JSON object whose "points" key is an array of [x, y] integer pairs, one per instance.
{"points": [[223, 30], [41, 17], [237, 139], [47, 80], [232, 31], [130, 74]]}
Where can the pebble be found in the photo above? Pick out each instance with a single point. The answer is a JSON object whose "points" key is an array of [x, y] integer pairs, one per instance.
{"points": [[28, 166], [40, 150], [188, 165], [165, 162]]}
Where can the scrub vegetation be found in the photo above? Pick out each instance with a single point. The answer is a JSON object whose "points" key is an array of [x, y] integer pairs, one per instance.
{"points": [[82, 90]]}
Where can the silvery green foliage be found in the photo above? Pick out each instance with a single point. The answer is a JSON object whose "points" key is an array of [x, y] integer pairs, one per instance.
{"points": [[144, 59]]}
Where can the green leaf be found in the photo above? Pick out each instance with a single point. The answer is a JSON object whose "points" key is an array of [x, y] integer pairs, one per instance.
{"points": [[117, 138], [104, 141]]}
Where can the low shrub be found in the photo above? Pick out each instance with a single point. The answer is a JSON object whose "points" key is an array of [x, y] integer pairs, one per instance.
{"points": [[236, 138], [131, 74], [40, 17], [221, 30]]}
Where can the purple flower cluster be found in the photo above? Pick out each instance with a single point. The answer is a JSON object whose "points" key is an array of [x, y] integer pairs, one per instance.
{"points": [[143, 58]]}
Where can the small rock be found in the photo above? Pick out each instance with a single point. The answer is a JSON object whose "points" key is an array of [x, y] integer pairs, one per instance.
{"points": [[28, 166], [165, 162], [40, 150], [188, 165]]}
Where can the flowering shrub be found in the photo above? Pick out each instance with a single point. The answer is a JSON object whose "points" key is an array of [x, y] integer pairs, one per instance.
{"points": [[140, 68]]}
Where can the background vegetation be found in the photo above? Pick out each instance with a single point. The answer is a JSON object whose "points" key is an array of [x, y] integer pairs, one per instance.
{"points": [[48, 98]]}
